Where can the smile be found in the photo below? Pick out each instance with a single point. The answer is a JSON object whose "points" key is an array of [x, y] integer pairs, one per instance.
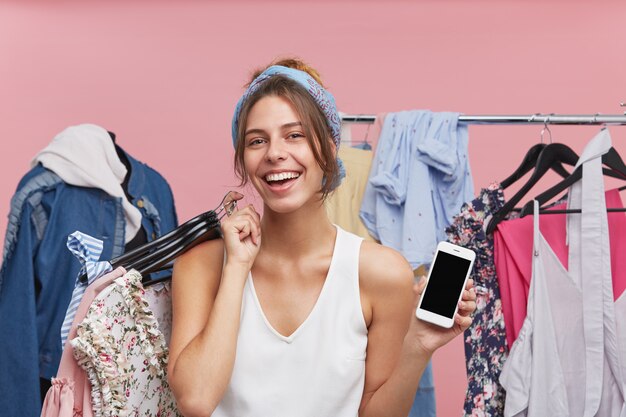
{"points": [[281, 176]]}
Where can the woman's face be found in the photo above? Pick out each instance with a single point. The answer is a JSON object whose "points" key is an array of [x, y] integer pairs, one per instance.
{"points": [[278, 158]]}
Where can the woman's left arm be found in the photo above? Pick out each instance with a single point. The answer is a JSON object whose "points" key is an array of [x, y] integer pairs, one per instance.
{"points": [[399, 345]]}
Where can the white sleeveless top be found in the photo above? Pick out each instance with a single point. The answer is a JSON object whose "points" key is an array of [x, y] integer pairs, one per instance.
{"points": [[319, 370]]}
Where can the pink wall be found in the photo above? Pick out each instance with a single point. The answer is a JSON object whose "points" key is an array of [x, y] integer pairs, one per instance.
{"points": [[165, 77]]}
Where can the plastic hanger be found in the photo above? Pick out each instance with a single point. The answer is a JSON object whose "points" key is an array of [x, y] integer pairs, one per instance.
{"points": [[530, 160], [528, 163], [203, 231], [611, 159], [145, 249], [164, 249], [550, 155], [227, 205], [203, 234], [200, 233]]}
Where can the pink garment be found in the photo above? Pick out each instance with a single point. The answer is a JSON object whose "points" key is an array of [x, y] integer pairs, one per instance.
{"points": [[70, 393], [513, 247]]}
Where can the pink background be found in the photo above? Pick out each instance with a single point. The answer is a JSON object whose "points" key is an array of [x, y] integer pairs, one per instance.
{"points": [[165, 77]]}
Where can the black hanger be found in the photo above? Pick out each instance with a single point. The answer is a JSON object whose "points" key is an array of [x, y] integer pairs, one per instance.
{"points": [[174, 236], [164, 256], [550, 155], [202, 231], [611, 159], [145, 249], [226, 206], [528, 163], [164, 249]]}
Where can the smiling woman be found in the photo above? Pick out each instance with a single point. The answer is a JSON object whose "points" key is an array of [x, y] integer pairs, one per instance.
{"points": [[314, 112], [289, 314], [277, 156]]}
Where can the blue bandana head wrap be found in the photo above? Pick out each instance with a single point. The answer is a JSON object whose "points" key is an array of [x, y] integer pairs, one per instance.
{"points": [[322, 97]]}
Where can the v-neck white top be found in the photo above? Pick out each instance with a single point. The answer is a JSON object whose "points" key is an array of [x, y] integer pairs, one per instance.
{"points": [[318, 370]]}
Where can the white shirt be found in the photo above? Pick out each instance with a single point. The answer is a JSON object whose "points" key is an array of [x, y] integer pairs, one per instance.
{"points": [[318, 370]]}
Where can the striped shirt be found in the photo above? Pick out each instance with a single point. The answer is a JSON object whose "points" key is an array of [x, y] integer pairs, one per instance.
{"points": [[88, 250]]}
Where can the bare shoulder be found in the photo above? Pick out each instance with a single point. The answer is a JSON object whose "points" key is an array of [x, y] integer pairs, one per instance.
{"points": [[383, 269], [195, 281], [207, 254], [386, 282]]}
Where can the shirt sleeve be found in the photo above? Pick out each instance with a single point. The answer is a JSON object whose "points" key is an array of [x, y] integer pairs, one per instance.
{"points": [[19, 364]]}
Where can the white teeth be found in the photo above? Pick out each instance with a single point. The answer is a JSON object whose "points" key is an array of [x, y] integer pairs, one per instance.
{"points": [[281, 176]]}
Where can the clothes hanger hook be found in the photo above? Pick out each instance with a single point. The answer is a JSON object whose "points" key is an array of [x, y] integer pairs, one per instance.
{"points": [[227, 206], [546, 121], [367, 132]]}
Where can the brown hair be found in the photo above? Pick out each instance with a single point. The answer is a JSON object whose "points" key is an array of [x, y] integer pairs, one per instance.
{"points": [[314, 123]]}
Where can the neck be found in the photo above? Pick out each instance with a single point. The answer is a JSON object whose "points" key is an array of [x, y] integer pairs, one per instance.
{"points": [[296, 232]]}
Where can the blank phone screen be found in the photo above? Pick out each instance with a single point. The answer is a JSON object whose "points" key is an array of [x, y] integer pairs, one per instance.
{"points": [[445, 284]]}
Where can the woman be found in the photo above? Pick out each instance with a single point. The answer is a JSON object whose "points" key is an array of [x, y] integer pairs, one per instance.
{"points": [[290, 315]]}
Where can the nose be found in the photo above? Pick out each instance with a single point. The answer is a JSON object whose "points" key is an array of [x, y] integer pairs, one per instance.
{"points": [[276, 151]]}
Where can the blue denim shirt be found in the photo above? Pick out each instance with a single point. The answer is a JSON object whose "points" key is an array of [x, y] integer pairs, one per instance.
{"points": [[38, 272]]}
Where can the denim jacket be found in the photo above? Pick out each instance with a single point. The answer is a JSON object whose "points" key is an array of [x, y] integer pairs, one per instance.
{"points": [[38, 272]]}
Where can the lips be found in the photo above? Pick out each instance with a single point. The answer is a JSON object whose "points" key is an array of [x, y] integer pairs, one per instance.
{"points": [[281, 176], [280, 181]]}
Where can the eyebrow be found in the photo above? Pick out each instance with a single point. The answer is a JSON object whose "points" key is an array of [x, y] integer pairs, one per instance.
{"points": [[283, 127]]}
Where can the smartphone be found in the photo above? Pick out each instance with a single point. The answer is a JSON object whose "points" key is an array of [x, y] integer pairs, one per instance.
{"points": [[446, 281]]}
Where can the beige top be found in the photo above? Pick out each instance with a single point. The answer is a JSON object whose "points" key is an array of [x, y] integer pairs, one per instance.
{"points": [[344, 203]]}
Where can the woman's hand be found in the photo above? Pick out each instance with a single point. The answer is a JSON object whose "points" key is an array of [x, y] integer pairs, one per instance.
{"points": [[428, 337], [241, 229]]}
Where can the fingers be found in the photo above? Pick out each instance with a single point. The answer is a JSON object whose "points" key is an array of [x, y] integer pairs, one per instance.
{"points": [[418, 289], [246, 222], [229, 202], [463, 321], [232, 196], [467, 305], [420, 285], [469, 293]]}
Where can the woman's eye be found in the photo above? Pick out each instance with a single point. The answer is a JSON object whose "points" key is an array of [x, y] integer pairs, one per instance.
{"points": [[253, 142], [295, 135]]}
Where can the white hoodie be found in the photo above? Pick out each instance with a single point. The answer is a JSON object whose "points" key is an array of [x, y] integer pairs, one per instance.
{"points": [[85, 156]]}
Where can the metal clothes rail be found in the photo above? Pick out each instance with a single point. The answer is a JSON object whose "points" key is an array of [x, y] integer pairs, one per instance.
{"points": [[538, 118]]}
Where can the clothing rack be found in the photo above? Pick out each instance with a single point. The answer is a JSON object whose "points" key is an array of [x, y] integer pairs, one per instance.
{"points": [[538, 118]]}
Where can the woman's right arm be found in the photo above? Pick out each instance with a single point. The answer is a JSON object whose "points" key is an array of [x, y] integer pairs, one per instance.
{"points": [[206, 302]]}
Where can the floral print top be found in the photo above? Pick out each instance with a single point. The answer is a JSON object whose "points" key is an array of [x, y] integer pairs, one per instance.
{"points": [[485, 340], [122, 348]]}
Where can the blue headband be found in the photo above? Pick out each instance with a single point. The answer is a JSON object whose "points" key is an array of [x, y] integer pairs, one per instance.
{"points": [[322, 97]]}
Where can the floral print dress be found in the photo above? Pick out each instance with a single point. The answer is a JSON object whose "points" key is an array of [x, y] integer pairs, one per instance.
{"points": [[122, 346], [485, 340]]}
